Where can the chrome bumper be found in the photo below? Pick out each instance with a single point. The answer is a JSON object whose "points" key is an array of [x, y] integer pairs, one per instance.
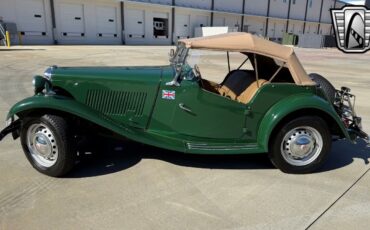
{"points": [[345, 106]]}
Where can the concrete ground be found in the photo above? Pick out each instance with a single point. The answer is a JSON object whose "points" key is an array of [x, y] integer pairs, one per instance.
{"points": [[141, 187]]}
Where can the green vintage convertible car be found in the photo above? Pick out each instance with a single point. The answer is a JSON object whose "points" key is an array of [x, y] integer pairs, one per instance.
{"points": [[273, 107]]}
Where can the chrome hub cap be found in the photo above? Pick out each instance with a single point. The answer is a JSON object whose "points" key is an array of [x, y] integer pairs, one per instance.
{"points": [[301, 146], [42, 145]]}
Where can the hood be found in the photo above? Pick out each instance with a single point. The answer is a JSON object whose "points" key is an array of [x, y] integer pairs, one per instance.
{"points": [[79, 81], [98, 73]]}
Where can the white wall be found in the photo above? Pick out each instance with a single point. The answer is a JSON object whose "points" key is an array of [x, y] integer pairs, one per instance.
{"points": [[313, 10], [163, 2], [100, 20], [326, 15], [33, 17], [254, 7], [298, 9], [235, 6], [200, 4], [279, 8]]}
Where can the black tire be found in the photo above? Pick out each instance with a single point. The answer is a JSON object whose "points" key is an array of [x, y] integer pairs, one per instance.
{"points": [[58, 135], [325, 85], [279, 146]]}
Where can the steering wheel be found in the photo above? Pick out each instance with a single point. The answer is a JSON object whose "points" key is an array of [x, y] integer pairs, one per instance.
{"points": [[198, 74]]}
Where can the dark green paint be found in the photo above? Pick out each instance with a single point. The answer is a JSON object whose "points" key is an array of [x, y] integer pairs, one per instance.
{"points": [[128, 101]]}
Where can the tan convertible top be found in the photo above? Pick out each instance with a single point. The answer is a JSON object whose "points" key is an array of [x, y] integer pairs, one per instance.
{"points": [[245, 42]]}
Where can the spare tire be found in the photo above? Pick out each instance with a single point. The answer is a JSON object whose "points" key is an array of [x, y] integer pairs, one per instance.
{"points": [[325, 85]]}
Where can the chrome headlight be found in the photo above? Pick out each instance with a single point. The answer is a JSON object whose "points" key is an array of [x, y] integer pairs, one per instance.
{"points": [[49, 71], [39, 83]]}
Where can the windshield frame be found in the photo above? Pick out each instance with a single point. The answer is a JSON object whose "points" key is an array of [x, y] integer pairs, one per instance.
{"points": [[178, 61]]}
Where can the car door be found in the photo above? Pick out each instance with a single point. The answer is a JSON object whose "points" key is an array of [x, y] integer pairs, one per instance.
{"points": [[203, 114]]}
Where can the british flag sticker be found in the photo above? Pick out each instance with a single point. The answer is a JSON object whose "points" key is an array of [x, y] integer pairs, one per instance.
{"points": [[168, 94]]}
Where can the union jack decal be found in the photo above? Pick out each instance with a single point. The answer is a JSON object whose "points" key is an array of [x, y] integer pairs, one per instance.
{"points": [[168, 94]]}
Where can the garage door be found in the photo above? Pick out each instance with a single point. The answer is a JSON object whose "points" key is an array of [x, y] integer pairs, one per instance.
{"points": [[219, 21], [182, 26], [31, 18], [254, 26], [295, 28], [201, 21], [276, 30], [106, 18], [135, 28], [280, 29], [72, 21]]}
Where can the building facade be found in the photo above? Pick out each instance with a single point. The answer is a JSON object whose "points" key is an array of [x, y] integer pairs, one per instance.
{"points": [[160, 22]]}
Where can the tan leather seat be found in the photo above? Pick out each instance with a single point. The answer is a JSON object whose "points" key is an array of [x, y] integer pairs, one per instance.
{"points": [[226, 92], [248, 93], [235, 83]]}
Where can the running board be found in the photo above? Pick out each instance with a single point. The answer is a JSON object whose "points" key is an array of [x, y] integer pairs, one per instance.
{"points": [[222, 146]]}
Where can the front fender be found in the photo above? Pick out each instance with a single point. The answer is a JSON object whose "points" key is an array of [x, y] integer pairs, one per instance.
{"points": [[67, 105], [290, 105]]}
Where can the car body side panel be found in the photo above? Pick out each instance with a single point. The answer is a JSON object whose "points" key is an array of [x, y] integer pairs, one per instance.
{"points": [[267, 108], [209, 117], [164, 140], [68, 105]]}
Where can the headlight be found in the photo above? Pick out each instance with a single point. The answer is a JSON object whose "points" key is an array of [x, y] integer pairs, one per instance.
{"points": [[39, 84], [49, 71]]}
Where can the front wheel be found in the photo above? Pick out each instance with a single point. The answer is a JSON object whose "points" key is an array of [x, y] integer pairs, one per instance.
{"points": [[301, 146], [47, 144]]}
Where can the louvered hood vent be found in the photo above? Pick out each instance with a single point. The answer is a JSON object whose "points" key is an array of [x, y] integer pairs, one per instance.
{"points": [[116, 102]]}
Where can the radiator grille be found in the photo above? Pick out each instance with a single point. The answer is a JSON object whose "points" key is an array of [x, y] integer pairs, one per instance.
{"points": [[116, 102]]}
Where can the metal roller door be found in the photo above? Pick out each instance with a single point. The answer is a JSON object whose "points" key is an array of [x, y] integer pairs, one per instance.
{"points": [[201, 21], [182, 26], [219, 21], [106, 19], [72, 21], [136, 27], [276, 30], [31, 20]]}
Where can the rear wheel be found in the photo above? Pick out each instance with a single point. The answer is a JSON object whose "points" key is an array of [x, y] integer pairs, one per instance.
{"points": [[48, 145], [301, 146]]}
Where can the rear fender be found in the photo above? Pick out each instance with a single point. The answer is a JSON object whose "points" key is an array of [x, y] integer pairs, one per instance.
{"points": [[290, 105]]}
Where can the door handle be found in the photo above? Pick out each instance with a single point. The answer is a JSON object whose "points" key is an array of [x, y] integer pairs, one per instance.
{"points": [[183, 107]]}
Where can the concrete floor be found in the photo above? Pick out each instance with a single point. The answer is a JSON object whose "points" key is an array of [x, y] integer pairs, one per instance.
{"points": [[142, 187]]}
